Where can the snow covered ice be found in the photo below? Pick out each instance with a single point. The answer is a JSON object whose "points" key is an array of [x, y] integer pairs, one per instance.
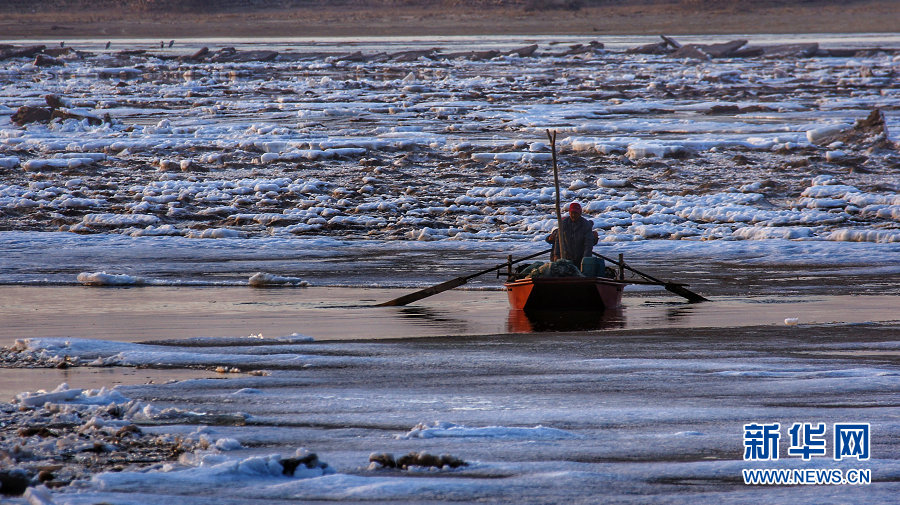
{"points": [[439, 148], [536, 420], [325, 168]]}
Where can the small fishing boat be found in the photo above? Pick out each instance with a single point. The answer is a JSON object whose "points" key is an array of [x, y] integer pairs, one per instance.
{"points": [[590, 287], [598, 289], [566, 287], [593, 288], [565, 293]]}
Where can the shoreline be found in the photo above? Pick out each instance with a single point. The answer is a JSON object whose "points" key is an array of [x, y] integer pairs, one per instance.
{"points": [[873, 16]]}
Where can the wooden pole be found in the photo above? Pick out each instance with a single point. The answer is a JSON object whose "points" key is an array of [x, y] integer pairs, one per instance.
{"points": [[559, 231]]}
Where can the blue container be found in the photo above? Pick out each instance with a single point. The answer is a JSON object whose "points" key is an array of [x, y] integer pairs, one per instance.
{"points": [[593, 267]]}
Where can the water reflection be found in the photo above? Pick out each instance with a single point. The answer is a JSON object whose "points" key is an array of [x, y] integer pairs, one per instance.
{"points": [[431, 317], [679, 313], [520, 321], [675, 311], [327, 313]]}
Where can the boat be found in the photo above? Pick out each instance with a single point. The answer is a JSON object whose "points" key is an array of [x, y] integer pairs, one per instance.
{"points": [[570, 303], [533, 294], [589, 287], [592, 288]]}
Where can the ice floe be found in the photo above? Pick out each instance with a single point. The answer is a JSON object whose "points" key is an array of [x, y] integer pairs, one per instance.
{"points": [[103, 353], [105, 279], [440, 429], [366, 162], [262, 279]]}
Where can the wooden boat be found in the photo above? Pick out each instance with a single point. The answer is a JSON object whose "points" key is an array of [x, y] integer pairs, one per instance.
{"points": [[593, 288], [565, 293], [592, 292]]}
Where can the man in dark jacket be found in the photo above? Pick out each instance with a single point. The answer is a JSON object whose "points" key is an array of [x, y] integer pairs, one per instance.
{"points": [[578, 237]]}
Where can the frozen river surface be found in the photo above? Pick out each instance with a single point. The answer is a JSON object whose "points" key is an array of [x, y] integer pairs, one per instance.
{"points": [[652, 416], [411, 141]]}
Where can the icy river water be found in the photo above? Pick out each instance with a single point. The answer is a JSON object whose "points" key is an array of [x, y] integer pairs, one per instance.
{"points": [[646, 404]]}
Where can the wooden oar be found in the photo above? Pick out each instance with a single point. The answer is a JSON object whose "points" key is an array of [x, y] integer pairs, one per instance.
{"points": [[672, 287], [452, 283]]}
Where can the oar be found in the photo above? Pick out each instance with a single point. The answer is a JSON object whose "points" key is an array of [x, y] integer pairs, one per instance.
{"points": [[671, 287], [452, 283]]}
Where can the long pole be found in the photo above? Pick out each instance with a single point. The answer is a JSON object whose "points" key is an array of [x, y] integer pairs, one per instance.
{"points": [[559, 221]]}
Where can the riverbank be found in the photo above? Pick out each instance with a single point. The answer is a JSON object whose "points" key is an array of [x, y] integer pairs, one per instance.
{"points": [[426, 19]]}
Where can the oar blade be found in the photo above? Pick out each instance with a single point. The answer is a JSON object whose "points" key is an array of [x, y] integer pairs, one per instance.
{"points": [[424, 293], [684, 292]]}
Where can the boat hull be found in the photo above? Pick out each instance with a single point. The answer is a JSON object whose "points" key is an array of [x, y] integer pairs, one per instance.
{"points": [[564, 293], [536, 321]]}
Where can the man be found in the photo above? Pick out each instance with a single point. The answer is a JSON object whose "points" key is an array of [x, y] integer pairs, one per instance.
{"points": [[578, 235]]}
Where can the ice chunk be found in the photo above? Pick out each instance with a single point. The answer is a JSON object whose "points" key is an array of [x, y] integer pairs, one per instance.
{"points": [[850, 235], [105, 279], [818, 134], [117, 220], [444, 429], [61, 394], [228, 444], [611, 183], [38, 165], [263, 279], [214, 233], [39, 496]]}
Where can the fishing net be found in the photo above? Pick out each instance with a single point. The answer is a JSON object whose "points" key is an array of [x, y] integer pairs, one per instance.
{"points": [[561, 268]]}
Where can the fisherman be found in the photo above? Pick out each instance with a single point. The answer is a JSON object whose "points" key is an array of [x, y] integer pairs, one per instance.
{"points": [[578, 235]]}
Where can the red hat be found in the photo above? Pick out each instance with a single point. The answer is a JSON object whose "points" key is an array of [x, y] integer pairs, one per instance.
{"points": [[574, 207]]}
